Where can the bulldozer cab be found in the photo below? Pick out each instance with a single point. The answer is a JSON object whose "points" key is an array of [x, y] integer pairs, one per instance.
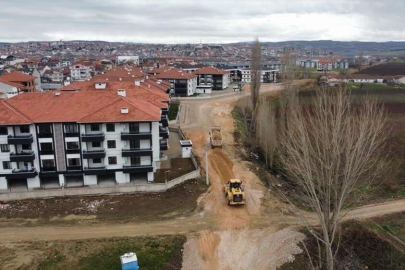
{"points": [[235, 183]]}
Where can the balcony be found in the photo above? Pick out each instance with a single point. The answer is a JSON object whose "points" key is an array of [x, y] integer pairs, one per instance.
{"points": [[165, 111], [94, 154], [164, 132], [137, 168], [72, 134], [47, 152], [22, 173], [136, 152], [95, 170], [136, 135], [163, 145], [164, 120], [74, 168], [73, 151], [45, 135], [24, 156], [93, 137], [21, 139], [48, 169]]}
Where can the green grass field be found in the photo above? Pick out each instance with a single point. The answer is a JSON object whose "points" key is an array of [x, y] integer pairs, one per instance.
{"points": [[154, 253]]}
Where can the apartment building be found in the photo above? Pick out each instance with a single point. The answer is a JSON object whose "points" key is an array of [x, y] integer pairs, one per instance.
{"points": [[214, 77], [327, 64], [267, 75], [182, 83], [9, 89], [26, 82], [80, 73], [67, 137]]}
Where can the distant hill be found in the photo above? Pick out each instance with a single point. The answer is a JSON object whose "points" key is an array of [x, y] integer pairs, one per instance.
{"points": [[389, 69], [345, 47]]}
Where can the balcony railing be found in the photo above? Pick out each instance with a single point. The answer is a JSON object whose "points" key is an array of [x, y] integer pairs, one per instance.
{"points": [[94, 154], [22, 173], [23, 156], [20, 139], [136, 168], [74, 168], [45, 135], [48, 169], [95, 170], [164, 132], [93, 137], [71, 134], [133, 135], [73, 151], [136, 152]]}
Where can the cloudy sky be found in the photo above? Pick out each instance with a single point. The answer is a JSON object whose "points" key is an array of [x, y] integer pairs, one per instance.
{"points": [[214, 21]]}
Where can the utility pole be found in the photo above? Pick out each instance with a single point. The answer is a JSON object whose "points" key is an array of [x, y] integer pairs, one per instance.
{"points": [[207, 177]]}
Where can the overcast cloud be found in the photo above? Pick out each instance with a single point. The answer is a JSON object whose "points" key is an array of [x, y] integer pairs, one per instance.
{"points": [[214, 21]]}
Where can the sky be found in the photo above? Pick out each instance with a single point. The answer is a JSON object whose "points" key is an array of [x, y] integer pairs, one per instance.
{"points": [[206, 21]]}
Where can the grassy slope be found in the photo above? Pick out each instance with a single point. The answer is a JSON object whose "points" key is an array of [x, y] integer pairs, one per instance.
{"points": [[154, 253]]}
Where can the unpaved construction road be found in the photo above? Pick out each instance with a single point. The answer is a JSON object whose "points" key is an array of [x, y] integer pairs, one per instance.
{"points": [[220, 236]]}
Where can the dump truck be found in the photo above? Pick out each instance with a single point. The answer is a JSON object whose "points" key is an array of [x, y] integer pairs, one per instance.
{"points": [[234, 192], [216, 136]]}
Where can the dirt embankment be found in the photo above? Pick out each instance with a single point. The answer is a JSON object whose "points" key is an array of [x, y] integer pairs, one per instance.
{"points": [[179, 201]]}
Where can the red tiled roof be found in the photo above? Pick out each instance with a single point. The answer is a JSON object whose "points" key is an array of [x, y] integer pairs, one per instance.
{"points": [[13, 84], [210, 70], [81, 107], [9, 115], [16, 76], [175, 73]]}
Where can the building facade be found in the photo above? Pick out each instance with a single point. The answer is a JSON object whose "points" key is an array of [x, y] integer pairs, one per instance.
{"points": [[101, 135]]}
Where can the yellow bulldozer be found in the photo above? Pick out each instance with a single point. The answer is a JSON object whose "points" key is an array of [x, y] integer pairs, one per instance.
{"points": [[234, 192]]}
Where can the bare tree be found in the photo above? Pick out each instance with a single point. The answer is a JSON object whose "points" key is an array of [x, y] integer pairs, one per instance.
{"points": [[332, 146], [360, 61], [266, 131], [256, 73]]}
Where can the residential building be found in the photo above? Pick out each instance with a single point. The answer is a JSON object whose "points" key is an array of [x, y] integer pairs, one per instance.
{"points": [[182, 83], [211, 76], [26, 81], [80, 73], [267, 75], [68, 137], [128, 59], [9, 89]]}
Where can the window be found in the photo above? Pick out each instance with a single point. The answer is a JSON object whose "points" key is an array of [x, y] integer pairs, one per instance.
{"points": [[3, 131], [73, 162], [26, 147], [25, 129], [134, 144], [96, 160], [95, 127], [45, 129], [112, 160], [110, 127], [48, 163], [46, 147], [134, 127], [71, 128], [96, 144], [72, 145], [6, 165], [135, 161], [111, 144], [5, 148]]}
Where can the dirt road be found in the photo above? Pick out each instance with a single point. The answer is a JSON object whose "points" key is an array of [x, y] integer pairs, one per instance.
{"points": [[219, 235]]}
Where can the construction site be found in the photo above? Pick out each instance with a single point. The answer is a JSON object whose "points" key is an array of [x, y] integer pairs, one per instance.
{"points": [[194, 223]]}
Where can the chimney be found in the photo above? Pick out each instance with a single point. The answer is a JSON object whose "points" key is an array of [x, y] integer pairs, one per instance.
{"points": [[124, 110], [57, 94], [137, 82], [122, 92]]}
